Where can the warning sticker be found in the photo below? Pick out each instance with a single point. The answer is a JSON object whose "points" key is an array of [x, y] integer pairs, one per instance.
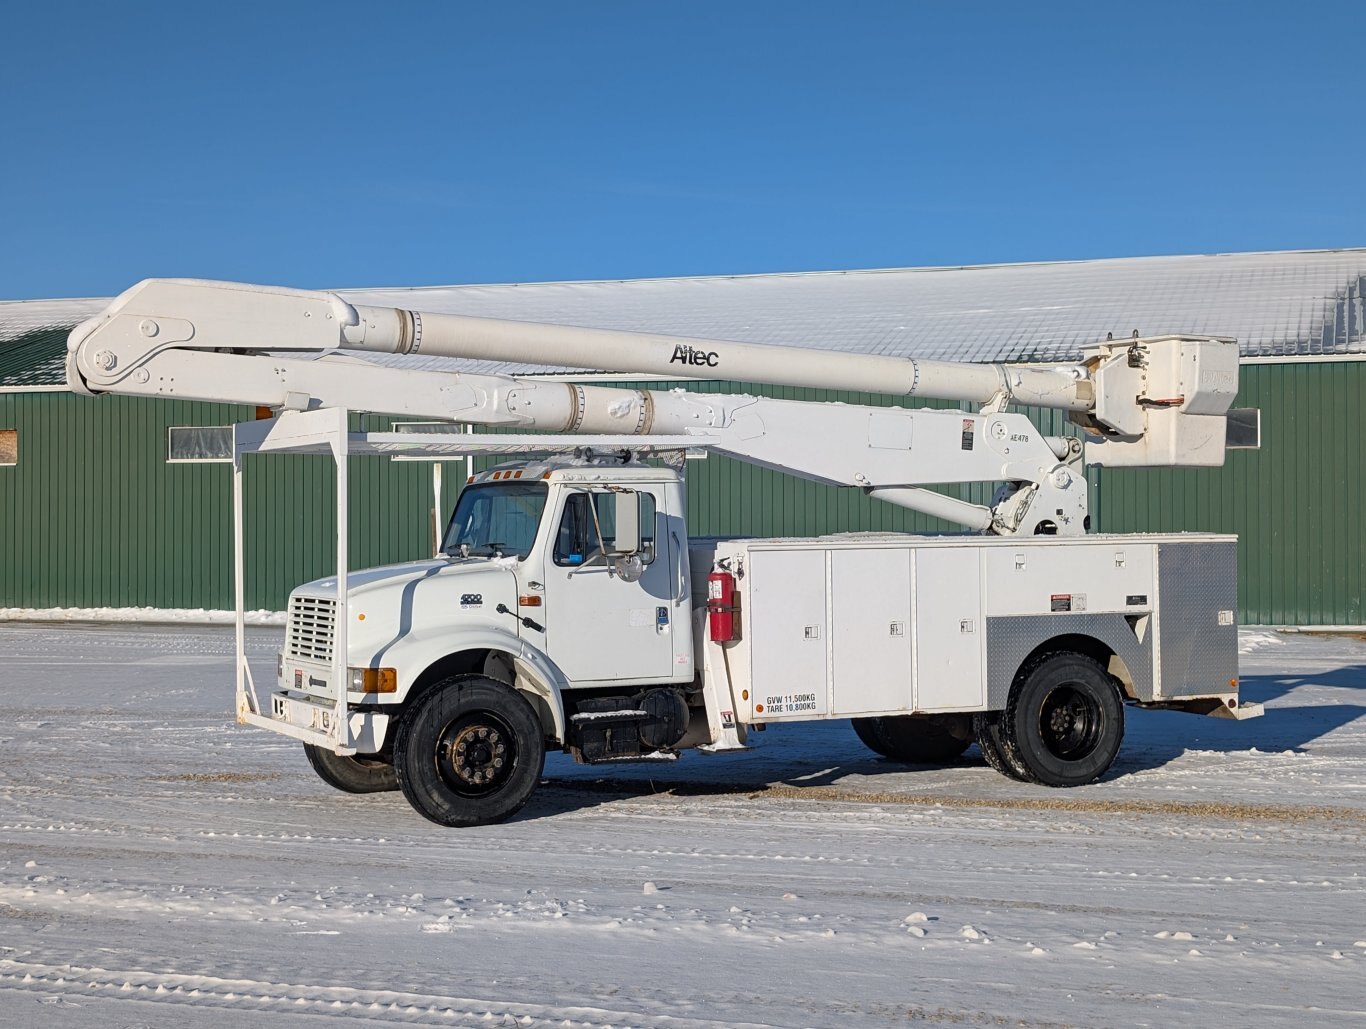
{"points": [[1060, 602], [969, 433]]}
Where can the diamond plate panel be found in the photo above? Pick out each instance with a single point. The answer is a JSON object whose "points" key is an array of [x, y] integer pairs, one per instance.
{"points": [[1196, 581], [1011, 639]]}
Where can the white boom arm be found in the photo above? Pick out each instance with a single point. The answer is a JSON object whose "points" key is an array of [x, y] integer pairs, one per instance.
{"points": [[1159, 401]]}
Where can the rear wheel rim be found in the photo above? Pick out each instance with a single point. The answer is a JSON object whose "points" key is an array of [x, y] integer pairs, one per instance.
{"points": [[475, 754], [1070, 721]]}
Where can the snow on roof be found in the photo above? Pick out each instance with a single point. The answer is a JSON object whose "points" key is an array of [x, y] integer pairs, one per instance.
{"points": [[33, 338], [1276, 304]]}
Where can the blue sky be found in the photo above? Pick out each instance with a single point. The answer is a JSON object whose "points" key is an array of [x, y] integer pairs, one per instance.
{"points": [[348, 144]]}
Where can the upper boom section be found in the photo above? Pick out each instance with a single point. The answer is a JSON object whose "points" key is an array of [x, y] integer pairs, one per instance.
{"points": [[396, 331], [206, 314]]}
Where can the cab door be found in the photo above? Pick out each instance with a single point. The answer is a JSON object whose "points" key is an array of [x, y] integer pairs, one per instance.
{"points": [[599, 626]]}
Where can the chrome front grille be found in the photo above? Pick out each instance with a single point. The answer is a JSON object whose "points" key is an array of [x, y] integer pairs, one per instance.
{"points": [[309, 633]]}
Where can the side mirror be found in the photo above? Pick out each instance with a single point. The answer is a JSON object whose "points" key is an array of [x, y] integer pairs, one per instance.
{"points": [[628, 569], [627, 524]]}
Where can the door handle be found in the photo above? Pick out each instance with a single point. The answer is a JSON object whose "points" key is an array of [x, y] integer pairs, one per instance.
{"points": [[682, 582]]}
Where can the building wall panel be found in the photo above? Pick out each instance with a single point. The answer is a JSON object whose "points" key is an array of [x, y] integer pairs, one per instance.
{"points": [[1295, 504], [94, 516]]}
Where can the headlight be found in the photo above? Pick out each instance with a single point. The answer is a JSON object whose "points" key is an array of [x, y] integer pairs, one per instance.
{"points": [[372, 680]]}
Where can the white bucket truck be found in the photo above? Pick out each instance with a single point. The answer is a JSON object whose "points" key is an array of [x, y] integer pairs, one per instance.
{"points": [[568, 606]]}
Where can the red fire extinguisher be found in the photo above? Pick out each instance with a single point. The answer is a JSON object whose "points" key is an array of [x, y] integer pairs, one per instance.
{"points": [[721, 609]]}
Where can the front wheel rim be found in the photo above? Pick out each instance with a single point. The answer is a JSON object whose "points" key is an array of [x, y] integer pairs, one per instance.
{"points": [[1070, 721], [475, 754]]}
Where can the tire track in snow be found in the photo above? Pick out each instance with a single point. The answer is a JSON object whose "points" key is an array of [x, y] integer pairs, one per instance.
{"points": [[855, 795], [265, 997]]}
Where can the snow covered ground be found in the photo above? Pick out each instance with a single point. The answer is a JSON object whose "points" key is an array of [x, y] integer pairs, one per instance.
{"points": [[160, 866]]}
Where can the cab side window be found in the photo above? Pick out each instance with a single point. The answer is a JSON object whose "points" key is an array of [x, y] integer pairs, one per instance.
{"points": [[576, 541]]}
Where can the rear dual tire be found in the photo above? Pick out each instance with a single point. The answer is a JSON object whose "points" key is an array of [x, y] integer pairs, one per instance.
{"points": [[911, 739], [1062, 726], [986, 727]]}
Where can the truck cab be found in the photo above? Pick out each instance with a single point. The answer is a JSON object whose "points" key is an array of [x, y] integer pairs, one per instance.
{"points": [[535, 561]]}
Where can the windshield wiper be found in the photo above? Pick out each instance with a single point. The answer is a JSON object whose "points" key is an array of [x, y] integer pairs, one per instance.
{"points": [[467, 549]]}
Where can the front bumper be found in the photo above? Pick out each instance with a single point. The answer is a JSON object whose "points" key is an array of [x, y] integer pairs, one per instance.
{"points": [[314, 679], [367, 729]]}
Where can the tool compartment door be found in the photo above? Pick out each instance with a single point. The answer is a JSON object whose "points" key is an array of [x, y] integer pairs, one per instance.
{"points": [[948, 629], [788, 637], [870, 632]]}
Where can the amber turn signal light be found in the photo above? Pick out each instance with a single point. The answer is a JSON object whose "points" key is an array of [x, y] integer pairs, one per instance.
{"points": [[374, 680]]}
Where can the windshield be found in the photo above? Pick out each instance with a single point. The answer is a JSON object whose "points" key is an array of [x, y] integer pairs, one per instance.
{"points": [[497, 518]]}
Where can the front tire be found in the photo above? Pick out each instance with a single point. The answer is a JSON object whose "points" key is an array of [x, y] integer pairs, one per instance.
{"points": [[469, 752], [363, 773], [1064, 720]]}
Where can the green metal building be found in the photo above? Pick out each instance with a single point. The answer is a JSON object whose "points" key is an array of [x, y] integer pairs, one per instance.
{"points": [[93, 515]]}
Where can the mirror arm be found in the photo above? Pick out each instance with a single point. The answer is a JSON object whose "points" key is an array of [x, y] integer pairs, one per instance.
{"points": [[597, 527]]}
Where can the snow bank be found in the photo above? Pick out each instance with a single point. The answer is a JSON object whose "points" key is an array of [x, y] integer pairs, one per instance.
{"points": [[193, 616], [1250, 641]]}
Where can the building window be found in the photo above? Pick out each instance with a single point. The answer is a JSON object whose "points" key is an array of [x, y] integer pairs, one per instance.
{"points": [[9, 446], [198, 444]]}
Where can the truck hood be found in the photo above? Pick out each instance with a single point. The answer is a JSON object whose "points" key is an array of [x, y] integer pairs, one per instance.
{"points": [[368, 580], [432, 598]]}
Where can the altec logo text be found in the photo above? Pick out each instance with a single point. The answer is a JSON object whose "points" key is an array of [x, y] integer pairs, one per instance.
{"points": [[685, 354]]}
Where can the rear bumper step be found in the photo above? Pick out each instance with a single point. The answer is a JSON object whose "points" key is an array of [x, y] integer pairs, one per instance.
{"points": [[1215, 707]]}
